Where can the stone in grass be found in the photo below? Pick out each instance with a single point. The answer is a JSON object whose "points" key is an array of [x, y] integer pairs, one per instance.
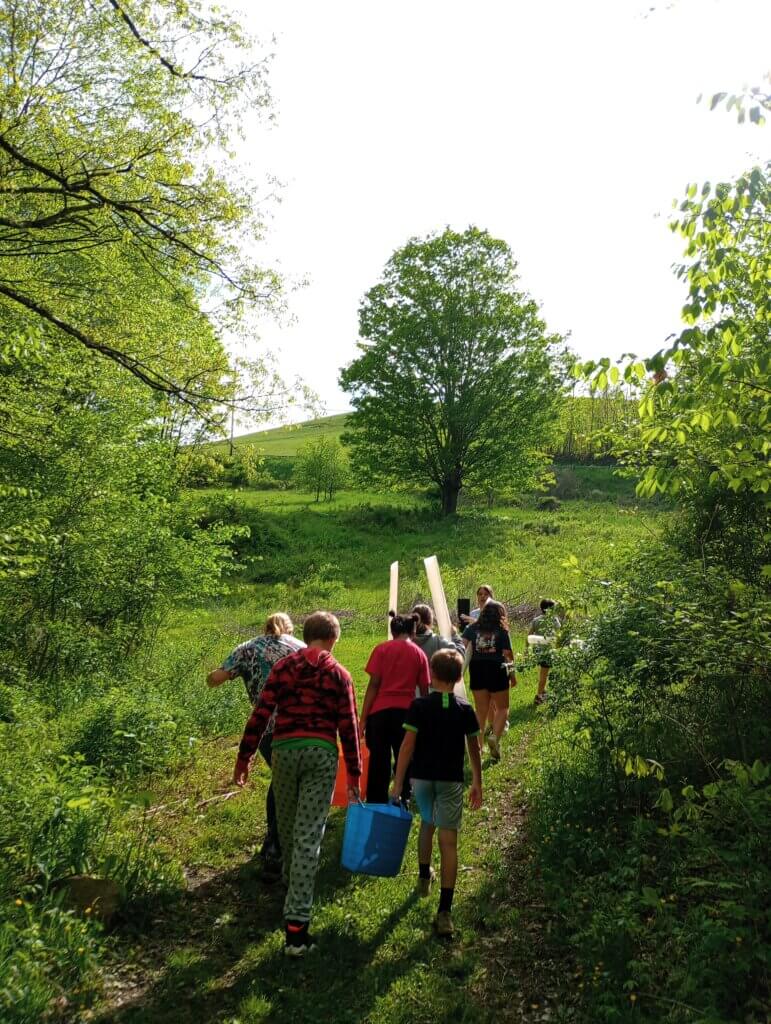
{"points": [[90, 897]]}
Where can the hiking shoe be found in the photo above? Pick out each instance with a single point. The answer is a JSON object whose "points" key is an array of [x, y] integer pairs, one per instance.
{"points": [[494, 746], [297, 939], [424, 884], [443, 925]]}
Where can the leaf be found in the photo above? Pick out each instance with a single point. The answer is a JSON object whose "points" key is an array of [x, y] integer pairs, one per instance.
{"points": [[665, 801]]}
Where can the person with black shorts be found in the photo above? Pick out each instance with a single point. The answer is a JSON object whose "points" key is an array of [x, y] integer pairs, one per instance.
{"points": [[490, 647]]}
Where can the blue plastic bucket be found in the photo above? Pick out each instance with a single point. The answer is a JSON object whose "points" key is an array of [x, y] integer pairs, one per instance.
{"points": [[375, 839]]}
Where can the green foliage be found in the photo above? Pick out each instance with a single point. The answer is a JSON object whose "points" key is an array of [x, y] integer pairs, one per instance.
{"points": [[322, 467], [114, 218], [48, 961], [705, 413], [108, 546], [457, 381]]}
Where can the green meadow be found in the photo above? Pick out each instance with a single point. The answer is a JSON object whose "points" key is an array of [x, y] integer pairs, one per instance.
{"points": [[216, 946]]}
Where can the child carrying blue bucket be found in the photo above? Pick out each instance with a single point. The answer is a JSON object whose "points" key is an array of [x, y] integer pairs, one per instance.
{"points": [[437, 727]]}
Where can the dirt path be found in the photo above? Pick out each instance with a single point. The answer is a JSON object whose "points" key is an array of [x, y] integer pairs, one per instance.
{"points": [[214, 954]]}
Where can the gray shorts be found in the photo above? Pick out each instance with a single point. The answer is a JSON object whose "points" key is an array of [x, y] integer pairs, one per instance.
{"points": [[439, 803]]}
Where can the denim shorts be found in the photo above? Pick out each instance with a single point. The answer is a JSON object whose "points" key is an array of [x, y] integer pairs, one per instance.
{"points": [[439, 803]]}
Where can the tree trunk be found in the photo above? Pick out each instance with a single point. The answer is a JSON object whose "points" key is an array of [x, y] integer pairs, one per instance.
{"points": [[450, 492]]}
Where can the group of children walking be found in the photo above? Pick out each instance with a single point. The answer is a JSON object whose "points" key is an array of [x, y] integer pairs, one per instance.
{"points": [[415, 726]]}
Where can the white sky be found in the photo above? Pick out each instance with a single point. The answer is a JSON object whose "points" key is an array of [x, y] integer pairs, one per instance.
{"points": [[565, 127]]}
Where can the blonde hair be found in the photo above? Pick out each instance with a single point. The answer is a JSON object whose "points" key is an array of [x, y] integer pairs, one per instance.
{"points": [[278, 623]]}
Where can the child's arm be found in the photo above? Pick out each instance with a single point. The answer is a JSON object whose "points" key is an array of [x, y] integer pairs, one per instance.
{"points": [[406, 750], [424, 676], [369, 700], [349, 736], [474, 756], [218, 677], [255, 727]]}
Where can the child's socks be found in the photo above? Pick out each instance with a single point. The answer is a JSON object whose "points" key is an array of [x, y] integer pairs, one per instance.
{"points": [[424, 870]]}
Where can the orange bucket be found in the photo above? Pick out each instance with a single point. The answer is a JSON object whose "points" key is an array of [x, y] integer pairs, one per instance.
{"points": [[340, 795]]}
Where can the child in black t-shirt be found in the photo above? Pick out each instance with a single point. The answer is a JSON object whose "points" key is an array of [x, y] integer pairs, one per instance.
{"points": [[491, 669], [436, 728]]}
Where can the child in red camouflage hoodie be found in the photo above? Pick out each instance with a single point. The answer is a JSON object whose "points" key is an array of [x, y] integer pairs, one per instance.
{"points": [[314, 698]]}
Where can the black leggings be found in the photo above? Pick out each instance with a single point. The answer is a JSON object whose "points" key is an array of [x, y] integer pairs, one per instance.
{"points": [[384, 734], [271, 848]]}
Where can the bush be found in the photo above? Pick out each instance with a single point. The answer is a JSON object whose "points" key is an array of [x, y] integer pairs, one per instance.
{"points": [[549, 504], [48, 962]]}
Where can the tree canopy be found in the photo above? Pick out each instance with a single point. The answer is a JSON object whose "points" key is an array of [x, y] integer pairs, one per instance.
{"points": [[120, 228], [458, 379]]}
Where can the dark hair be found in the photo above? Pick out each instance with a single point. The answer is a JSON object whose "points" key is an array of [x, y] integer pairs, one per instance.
{"points": [[447, 666], [425, 618], [547, 603], [320, 626], [403, 625], [492, 617]]}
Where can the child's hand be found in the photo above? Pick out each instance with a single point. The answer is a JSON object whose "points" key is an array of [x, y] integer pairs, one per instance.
{"points": [[395, 795], [240, 776], [362, 729], [354, 794], [475, 798]]}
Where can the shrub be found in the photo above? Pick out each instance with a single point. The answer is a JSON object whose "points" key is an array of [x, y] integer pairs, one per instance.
{"points": [[549, 503], [48, 961]]}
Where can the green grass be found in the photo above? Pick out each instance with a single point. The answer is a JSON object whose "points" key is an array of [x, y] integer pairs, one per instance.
{"points": [[304, 555], [218, 948], [285, 441], [214, 953]]}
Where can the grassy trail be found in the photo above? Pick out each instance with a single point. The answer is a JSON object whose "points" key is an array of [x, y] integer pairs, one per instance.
{"points": [[215, 954]]}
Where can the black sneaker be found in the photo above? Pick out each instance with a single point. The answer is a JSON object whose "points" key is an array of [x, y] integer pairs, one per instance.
{"points": [[297, 941]]}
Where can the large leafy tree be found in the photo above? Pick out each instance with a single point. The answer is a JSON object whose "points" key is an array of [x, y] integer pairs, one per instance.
{"points": [[458, 379], [120, 227]]}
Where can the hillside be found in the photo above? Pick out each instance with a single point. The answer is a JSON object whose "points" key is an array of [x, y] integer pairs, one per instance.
{"points": [[283, 442], [580, 417]]}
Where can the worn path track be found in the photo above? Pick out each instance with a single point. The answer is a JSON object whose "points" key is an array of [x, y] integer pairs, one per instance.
{"points": [[214, 954]]}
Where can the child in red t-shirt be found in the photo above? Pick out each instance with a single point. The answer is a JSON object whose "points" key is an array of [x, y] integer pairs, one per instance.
{"points": [[396, 668]]}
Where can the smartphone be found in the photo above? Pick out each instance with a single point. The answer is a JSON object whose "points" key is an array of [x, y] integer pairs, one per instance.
{"points": [[464, 606]]}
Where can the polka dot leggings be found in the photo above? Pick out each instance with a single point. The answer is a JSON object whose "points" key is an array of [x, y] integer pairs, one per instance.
{"points": [[303, 781]]}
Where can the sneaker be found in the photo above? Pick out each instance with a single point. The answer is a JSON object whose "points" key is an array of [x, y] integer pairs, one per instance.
{"points": [[540, 698], [494, 746], [443, 925], [488, 732], [297, 940], [424, 884], [506, 726]]}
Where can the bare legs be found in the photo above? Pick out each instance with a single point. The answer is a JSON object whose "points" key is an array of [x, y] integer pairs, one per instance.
{"points": [[543, 676], [448, 852]]}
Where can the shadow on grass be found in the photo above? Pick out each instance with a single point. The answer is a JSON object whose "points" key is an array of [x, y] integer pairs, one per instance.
{"points": [[222, 943]]}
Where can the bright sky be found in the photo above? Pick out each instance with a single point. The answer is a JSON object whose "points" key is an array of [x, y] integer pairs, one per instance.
{"points": [[565, 127]]}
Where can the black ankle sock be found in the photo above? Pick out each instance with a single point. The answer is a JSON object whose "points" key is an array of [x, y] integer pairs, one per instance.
{"points": [[445, 900], [424, 870]]}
